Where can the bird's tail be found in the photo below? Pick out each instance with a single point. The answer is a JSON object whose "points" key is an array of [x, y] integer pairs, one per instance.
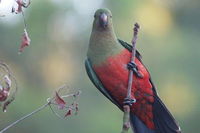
{"points": [[163, 120]]}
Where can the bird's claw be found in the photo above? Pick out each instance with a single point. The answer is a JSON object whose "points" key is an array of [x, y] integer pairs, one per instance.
{"points": [[128, 101], [133, 67]]}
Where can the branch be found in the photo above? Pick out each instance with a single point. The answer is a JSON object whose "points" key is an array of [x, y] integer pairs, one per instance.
{"points": [[126, 117], [24, 117], [52, 101]]}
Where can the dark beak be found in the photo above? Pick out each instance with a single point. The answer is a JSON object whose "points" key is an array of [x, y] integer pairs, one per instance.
{"points": [[103, 20]]}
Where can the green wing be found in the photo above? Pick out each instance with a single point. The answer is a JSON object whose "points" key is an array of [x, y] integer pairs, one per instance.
{"points": [[96, 81], [139, 57], [163, 120], [129, 47]]}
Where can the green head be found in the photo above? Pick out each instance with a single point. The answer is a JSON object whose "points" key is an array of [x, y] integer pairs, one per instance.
{"points": [[102, 20], [103, 41]]}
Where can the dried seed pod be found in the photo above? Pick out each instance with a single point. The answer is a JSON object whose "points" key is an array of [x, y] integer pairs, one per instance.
{"points": [[62, 104], [8, 86]]}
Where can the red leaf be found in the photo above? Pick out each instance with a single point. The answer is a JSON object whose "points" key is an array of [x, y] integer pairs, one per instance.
{"points": [[3, 95], [61, 103], [25, 41], [69, 112], [5, 90], [20, 4]]}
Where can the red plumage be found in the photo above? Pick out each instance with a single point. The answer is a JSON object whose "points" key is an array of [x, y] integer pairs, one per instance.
{"points": [[113, 73]]}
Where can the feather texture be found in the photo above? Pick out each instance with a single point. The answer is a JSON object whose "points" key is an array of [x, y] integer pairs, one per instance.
{"points": [[163, 121]]}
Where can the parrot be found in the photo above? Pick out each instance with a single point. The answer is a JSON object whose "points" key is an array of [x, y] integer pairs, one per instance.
{"points": [[108, 64]]}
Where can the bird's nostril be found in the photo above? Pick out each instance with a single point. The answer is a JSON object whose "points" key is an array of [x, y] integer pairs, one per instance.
{"points": [[103, 20]]}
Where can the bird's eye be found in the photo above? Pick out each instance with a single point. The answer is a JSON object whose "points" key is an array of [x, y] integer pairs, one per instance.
{"points": [[110, 16], [94, 16]]}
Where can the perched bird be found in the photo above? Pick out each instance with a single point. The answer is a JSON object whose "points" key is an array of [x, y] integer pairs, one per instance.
{"points": [[106, 66]]}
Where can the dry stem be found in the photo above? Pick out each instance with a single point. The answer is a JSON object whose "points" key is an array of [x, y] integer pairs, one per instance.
{"points": [[49, 102], [126, 116]]}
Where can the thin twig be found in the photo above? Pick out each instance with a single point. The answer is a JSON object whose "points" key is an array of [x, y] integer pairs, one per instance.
{"points": [[126, 116], [24, 117], [49, 102], [25, 26], [55, 112], [65, 96], [130, 81]]}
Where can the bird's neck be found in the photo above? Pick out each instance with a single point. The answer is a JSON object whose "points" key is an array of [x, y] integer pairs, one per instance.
{"points": [[103, 44]]}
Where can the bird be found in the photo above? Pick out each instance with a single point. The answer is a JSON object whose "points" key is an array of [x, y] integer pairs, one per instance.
{"points": [[107, 65]]}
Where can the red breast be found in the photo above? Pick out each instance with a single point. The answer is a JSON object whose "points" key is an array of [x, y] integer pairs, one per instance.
{"points": [[113, 73]]}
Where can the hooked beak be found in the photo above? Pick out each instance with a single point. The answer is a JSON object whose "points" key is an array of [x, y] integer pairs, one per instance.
{"points": [[103, 20]]}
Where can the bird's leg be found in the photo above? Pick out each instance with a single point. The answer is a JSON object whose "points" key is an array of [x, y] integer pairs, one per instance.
{"points": [[129, 101], [133, 67]]}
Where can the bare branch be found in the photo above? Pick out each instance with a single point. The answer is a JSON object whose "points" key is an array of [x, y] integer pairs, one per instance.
{"points": [[50, 102], [24, 117], [126, 116]]}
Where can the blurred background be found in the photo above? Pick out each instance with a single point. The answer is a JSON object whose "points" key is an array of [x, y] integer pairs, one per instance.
{"points": [[60, 30]]}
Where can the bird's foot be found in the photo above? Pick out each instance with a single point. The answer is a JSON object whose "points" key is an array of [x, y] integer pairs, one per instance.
{"points": [[128, 101], [133, 67]]}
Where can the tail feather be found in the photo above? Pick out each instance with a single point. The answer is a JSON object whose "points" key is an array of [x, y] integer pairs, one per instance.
{"points": [[138, 126], [163, 120]]}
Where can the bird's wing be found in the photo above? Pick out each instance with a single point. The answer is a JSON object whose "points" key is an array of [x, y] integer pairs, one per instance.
{"points": [[95, 80], [163, 120], [139, 57], [129, 48]]}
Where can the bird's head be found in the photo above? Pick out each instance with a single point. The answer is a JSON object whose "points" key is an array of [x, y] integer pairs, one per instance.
{"points": [[102, 19]]}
